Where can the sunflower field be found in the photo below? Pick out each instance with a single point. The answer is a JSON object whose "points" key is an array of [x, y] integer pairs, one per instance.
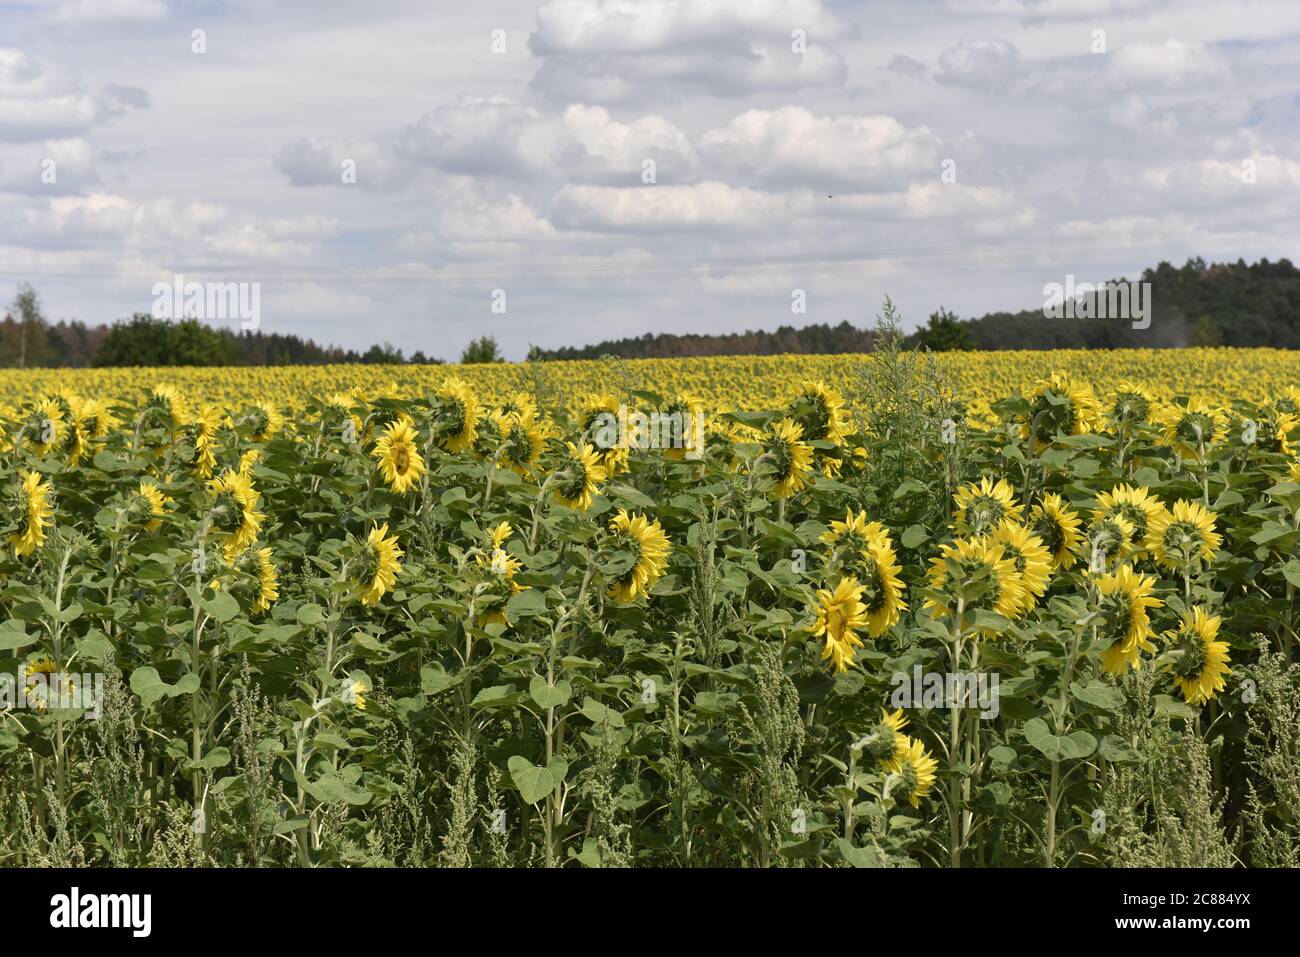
{"points": [[886, 610]]}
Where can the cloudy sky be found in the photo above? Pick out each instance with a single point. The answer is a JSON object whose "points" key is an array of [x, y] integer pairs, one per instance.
{"points": [[506, 145]]}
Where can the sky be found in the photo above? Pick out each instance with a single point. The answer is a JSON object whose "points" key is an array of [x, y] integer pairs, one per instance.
{"points": [[570, 171]]}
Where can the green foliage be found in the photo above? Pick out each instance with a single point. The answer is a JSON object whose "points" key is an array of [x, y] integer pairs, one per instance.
{"points": [[482, 349]]}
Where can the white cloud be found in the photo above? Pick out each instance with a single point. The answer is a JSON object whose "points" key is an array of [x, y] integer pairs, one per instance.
{"points": [[499, 136], [1172, 62], [90, 11], [794, 145], [607, 51], [990, 66], [38, 102], [708, 205]]}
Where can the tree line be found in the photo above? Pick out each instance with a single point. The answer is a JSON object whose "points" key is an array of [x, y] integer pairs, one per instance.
{"points": [[1199, 304]]}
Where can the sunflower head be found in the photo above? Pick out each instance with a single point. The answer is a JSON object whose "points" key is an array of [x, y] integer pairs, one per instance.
{"points": [[639, 556], [864, 551], [1058, 526], [30, 513], [790, 456], [1060, 407], [840, 615], [912, 772], [684, 419], [984, 505], [1032, 561], [1137, 506], [397, 454], [1129, 405], [886, 739], [148, 506], [819, 410], [1183, 537], [973, 574], [521, 443], [455, 416], [376, 564], [235, 517], [579, 476], [1191, 430], [1125, 600], [1200, 659], [1111, 540], [268, 582], [262, 421], [45, 424]]}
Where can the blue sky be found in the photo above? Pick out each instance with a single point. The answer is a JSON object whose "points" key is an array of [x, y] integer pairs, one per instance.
{"points": [[521, 168]]}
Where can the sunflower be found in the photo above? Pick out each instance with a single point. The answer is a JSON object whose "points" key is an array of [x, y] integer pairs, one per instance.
{"points": [[1191, 430], [500, 567], [579, 478], [488, 436], [1129, 404], [379, 565], [1202, 660], [455, 416], [912, 770], [1137, 505], [151, 504], [521, 441], [31, 515], [234, 511], [1058, 526], [791, 457], [95, 418], [598, 416], [840, 615], [1060, 407], [356, 692], [263, 421], [87, 421], [886, 739], [982, 506], [865, 551], [1273, 433], [1031, 558], [1289, 401], [268, 582], [39, 677], [45, 425], [1124, 602], [1183, 536], [398, 455], [201, 434], [1111, 538], [819, 409], [977, 572], [164, 409], [649, 548], [683, 413], [520, 404]]}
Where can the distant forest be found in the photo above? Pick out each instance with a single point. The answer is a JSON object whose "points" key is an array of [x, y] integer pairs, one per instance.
{"points": [[1228, 304]]}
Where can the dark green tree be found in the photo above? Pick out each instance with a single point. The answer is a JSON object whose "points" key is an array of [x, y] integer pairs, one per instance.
{"points": [[482, 349], [943, 333]]}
